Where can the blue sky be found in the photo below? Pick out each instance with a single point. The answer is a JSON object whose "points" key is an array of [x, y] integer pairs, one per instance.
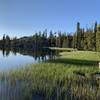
{"points": [[24, 17]]}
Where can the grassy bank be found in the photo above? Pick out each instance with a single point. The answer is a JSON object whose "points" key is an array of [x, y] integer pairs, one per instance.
{"points": [[70, 76], [62, 49]]}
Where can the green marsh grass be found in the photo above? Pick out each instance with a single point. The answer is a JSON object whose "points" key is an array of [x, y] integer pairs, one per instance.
{"points": [[69, 77]]}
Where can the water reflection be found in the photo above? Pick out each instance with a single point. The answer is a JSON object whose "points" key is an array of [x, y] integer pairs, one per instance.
{"points": [[34, 53], [10, 58], [74, 90], [16, 57], [14, 90]]}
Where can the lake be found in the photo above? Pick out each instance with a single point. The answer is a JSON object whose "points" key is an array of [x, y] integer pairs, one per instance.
{"points": [[18, 58], [20, 89]]}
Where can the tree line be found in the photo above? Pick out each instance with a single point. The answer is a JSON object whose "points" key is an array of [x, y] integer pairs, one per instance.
{"points": [[82, 39], [87, 39]]}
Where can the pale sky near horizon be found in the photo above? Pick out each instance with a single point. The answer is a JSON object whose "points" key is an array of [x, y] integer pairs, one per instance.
{"points": [[24, 17]]}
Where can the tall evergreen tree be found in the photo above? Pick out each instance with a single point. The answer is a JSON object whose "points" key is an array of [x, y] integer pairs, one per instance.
{"points": [[3, 41], [98, 39], [75, 40], [78, 36], [7, 42], [94, 35]]}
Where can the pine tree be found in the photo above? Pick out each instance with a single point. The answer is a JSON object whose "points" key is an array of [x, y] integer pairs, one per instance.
{"points": [[81, 39], [75, 40], [98, 39], [65, 43], [7, 42], [3, 41], [78, 36], [94, 35]]}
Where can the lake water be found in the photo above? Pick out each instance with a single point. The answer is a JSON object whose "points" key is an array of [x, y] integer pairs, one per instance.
{"points": [[14, 59]]}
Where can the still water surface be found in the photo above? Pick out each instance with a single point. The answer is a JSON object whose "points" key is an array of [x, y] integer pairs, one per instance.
{"points": [[9, 59], [12, 59]]}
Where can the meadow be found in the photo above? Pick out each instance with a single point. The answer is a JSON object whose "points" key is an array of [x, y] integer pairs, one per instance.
{"points": [[71, 76]]}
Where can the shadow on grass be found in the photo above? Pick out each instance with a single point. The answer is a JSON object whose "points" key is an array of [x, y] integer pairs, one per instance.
{"points": [[75, 62]]}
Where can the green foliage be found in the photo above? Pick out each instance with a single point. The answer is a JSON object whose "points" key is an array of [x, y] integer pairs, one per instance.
{"points": [[82, 39], [75, 40], [98, 39], [86, 39]]}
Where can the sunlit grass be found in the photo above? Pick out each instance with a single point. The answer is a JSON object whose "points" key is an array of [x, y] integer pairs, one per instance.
{"points": [[62, 49], [81, 55], [57, 80]]}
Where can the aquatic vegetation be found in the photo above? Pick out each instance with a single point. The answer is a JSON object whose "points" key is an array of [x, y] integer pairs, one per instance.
{"points": [[59, 79]]}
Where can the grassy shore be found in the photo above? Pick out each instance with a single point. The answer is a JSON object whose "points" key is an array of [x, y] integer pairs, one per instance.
{"points": [[68, 77], [62, 49]]}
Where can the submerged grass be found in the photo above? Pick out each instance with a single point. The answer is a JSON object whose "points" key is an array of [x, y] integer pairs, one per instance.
{"points": [[65, 78], [58, 81]]}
